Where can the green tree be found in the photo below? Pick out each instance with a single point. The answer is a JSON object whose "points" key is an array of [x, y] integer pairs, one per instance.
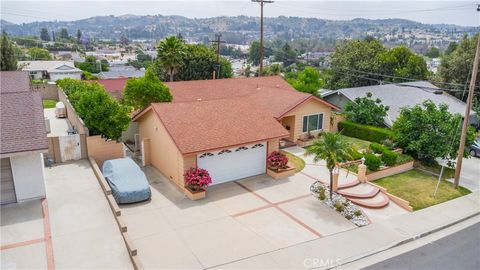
{"points": [[254, 53], [307, 81], [428, 131], [433, 52], [92, 65], [79, 35], [402, 62], [331, 147], [8, 57], [44, 34], [286, 55], [171, 52], [198, 62], [355, 55], [366, 111], [452, 46], [141, 92], [63, 33], [39, 54]]}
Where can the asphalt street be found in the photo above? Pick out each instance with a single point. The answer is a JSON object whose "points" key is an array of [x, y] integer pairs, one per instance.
{"points": [[460, 250]]}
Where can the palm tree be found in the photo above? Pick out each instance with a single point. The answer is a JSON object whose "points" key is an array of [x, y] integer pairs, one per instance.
{"points": [[170, 54], [332, 148]]}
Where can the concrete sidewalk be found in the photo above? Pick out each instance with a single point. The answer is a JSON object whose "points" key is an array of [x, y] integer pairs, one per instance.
{"points": [[341, 248]]}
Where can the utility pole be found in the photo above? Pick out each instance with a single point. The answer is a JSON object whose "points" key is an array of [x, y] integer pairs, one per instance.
{"points": [[218, 41], [262, 2], [463, 136]]}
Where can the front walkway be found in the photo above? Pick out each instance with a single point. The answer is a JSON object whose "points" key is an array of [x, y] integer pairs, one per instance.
{"points": [[73, 228], [319, 171]]}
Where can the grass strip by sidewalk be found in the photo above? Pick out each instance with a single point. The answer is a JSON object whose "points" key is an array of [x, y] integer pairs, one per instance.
{"points": [[417, 187], [48, 103], [298, 162]]}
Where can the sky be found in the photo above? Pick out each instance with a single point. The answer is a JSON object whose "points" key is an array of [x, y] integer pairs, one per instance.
{"points": [[433, 12]]}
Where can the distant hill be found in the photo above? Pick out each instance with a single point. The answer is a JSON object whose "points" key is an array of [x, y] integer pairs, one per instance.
{"points": [[239, 29]]}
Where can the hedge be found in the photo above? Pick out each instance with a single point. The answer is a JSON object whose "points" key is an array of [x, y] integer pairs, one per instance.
{"points": [[365, 132], [373, 162]]}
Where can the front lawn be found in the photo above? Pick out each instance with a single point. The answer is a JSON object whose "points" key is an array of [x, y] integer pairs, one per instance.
{"points": [[357, 143], [48, 103], [417, 187], [298, 162], [436, 168]]}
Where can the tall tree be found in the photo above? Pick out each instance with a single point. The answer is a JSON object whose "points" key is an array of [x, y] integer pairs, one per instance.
{"points": [[63, 33], [170, 54], [355, 55], [79, 35], [332, 148], [402, 62], [366, 111], [141, 92], [39, 54], [307, 81], [286, 55], [254, 53], [44, 34], [8, 58]]}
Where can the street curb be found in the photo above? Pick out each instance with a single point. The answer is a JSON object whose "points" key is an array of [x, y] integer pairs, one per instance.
{"points": [[405, 241]]}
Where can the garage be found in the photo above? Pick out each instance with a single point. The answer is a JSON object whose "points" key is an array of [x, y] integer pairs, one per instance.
{"points": [[234, 163], [7, 187]]}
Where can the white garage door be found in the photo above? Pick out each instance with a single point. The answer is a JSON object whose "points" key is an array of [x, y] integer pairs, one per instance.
{"points": [[235, 163]]}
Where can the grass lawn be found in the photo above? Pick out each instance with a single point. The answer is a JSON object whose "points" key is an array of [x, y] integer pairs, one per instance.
{"points": [[48, 103], [436, 168], [298, 162], [357, 143], [417, 187]]}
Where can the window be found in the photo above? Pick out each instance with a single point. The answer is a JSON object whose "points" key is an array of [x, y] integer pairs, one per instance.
{"points": [[206, 155], [224, 152], [257, 145], [242, 148], [312, 122]]}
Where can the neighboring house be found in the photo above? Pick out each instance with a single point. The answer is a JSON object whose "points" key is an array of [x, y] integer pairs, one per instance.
{"points": [[397, 96], [51, 70], [227, 126], [122, 72], [114, 87], [23, 139]]}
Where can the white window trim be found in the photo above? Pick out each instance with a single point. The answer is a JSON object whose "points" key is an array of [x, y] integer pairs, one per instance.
{"points": [[323, 122]]}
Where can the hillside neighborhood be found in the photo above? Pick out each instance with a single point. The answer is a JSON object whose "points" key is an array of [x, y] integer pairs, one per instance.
{"points": [[165, 142]]}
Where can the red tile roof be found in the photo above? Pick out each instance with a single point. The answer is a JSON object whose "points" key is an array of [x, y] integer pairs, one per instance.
{"points": [[113, 85], [206, 125], [22, 121]]}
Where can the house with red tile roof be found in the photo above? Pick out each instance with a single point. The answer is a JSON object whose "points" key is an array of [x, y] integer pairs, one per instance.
{"points": [[226, 126], [23, 139]]}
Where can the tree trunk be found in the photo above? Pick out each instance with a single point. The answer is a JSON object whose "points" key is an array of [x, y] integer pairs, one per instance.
{"points": [[331, 182], [171, 75]]}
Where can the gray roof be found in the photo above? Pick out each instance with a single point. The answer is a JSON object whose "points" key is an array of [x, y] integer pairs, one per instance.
{"points": [[397, 96], [122, 71], [22, 122], [50, 66]]}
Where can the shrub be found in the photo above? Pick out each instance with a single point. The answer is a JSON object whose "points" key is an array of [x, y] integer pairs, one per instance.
{"points": [[364, 132], [348, 216], [389, 143], [321, 193], [378, 148], [372, 162], [277, 161], [339, 206], [197, 179], [403, 158], [354, 154], [389, 158], [357, 213]]}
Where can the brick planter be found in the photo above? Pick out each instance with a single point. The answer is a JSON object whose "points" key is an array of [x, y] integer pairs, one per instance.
{"points": [[280, 174], [194, 195], [388, 171]]}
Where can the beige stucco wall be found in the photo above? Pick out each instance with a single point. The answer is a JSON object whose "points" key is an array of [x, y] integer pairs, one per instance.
{"points": [[311, 106], [272, 146], [100, 149], [164, 154], [28, 175]]}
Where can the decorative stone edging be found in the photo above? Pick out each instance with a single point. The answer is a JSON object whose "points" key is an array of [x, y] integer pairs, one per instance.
{"points": [[349, 209]]}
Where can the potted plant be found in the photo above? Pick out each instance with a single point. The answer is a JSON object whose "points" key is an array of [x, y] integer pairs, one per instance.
{"points": [[196, 181], [277, 165]]}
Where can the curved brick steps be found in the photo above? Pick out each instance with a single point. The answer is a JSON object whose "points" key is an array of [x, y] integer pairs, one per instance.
{"points": [[379, 201], [349, 184], [361, 191]]}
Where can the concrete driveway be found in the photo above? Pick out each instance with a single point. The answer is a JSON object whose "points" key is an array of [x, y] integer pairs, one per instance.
{"points": [[72, 228], [237, 220]]}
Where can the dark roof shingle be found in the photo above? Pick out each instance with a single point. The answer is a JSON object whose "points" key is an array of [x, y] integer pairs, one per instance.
{"points": [[22, 122]]}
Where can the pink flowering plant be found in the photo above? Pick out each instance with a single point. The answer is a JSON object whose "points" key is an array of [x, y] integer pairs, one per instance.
{"points": [[197, 179], [277, 161]]}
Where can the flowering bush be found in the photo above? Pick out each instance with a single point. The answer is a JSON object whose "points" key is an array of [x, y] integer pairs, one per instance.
{"points": [[277, 161], [197, 179]]}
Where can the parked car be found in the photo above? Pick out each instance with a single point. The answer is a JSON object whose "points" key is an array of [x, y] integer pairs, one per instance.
{"points": [[474, 149], [128, 182]]}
